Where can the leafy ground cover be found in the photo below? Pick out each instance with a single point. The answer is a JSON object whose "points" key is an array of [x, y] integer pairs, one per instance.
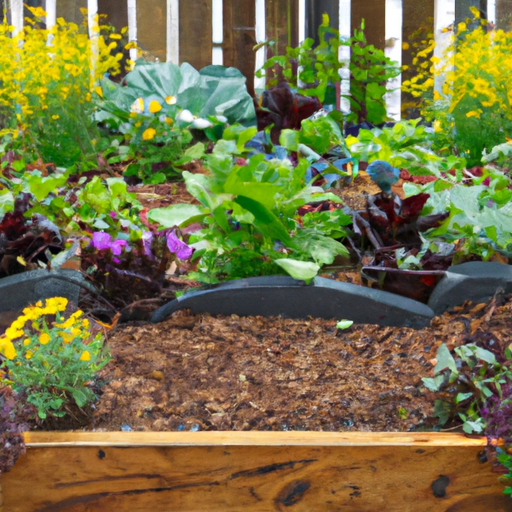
{"points": [[172, 178]]}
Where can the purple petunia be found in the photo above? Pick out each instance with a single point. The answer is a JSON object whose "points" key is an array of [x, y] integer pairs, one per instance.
{"points": [[178, 247], [101, 241]]}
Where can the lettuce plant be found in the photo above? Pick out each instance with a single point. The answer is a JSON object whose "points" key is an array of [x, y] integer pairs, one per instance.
{"points": [[246, 223]]}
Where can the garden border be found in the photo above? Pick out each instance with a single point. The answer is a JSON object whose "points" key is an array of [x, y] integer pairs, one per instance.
{"points": [[252, 471]]}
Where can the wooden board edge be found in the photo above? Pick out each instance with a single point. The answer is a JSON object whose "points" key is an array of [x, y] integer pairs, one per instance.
{"points": [[247, 438]]}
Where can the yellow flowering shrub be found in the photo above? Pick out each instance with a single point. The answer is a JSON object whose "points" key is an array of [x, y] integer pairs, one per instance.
{"points": [[471, 106], [52, 361], [48, 84]]}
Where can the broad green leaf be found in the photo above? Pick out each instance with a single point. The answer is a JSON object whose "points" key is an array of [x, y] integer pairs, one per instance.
{"points": [[265, 221], [197, 186], [302, 270], [177, 215], [445, 361]]}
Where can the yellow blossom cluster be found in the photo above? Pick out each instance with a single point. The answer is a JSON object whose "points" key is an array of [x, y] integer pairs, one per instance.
{"points": [[40, 68], [66, 331]]}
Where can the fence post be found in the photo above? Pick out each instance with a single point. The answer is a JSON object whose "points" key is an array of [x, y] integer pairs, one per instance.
{"points": [[240, 38], [16, 7], [393, 50], [132, 27], [196, 33], [173, 31]]}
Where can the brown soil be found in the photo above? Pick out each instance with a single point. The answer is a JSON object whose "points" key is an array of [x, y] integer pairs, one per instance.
{"points": [[252, 373]]}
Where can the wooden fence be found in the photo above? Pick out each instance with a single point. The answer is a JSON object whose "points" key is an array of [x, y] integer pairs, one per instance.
{"points": [[203, 32]]}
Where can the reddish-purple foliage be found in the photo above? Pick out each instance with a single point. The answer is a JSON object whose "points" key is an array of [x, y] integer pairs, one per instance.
{"points": [[15, 415]]}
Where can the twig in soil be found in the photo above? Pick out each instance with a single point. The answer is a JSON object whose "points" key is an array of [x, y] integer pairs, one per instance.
{"points": [[86, 286], [373, 237]]}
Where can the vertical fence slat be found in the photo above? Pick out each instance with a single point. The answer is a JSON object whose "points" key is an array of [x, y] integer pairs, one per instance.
{"points": [[283, 23], [240, 38], [116, 12], [196, 33], [132, 26], [70, 10], [393, 50], [51, 13], [345, 9], [152, 27], [173, 31], [16, 7], [374, 14], [444, 16]]}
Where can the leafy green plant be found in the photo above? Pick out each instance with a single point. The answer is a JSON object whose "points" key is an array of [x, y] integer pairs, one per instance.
{"points": [[312, 70], [480, 384], [308, 68], [52, 362], [247, 214]]}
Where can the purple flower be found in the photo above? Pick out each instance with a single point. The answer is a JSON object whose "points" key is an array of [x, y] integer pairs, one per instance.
{"points": [[101, 240], [117, 246], [177, 246], [113, 214], [147, 239]]}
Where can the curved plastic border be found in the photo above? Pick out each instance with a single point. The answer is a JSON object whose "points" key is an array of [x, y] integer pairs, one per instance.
{"points": [[289, 298]]}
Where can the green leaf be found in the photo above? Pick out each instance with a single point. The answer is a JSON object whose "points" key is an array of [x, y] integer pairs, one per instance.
{"points": [[265, 221], [197, 186], [445, 361], [302, 270], [177, 215], [344, 324]]}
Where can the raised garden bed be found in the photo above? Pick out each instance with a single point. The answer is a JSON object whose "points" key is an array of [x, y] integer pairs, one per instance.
{"points": [[253, 471]]}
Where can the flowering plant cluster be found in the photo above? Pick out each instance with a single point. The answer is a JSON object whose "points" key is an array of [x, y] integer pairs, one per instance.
{"points": [[48, 80], [52, 358], [471, 110]]}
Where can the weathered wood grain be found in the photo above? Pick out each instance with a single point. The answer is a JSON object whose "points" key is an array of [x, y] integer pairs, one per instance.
{"points": [[252, 471], [240, 38], [196, 32]]}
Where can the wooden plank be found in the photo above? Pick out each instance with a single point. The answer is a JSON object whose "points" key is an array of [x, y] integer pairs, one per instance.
{"points": [[240, 37], [374, 14], [152, 28], [282, 25], [252, 471], [116, 11], [196, 32]]}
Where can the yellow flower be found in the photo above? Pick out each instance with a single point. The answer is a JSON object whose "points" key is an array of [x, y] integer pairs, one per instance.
{"points": [[86, 356], [99, 91], [12, 333], [26, 342], [55, 116], [149, 134], [29, 354], [115, 36], [405, 46], [154, 107], [44, 338], [473, 113], [170, 100], [7, 348]]}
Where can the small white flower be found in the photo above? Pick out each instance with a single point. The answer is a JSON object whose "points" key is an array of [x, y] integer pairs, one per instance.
{"points": [[222, 119], [201, 124], [185, 116], [137, 106], [170, 100]]}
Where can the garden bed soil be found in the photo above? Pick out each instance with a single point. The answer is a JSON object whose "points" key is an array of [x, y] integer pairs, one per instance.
{"points": [[198, 372]]}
